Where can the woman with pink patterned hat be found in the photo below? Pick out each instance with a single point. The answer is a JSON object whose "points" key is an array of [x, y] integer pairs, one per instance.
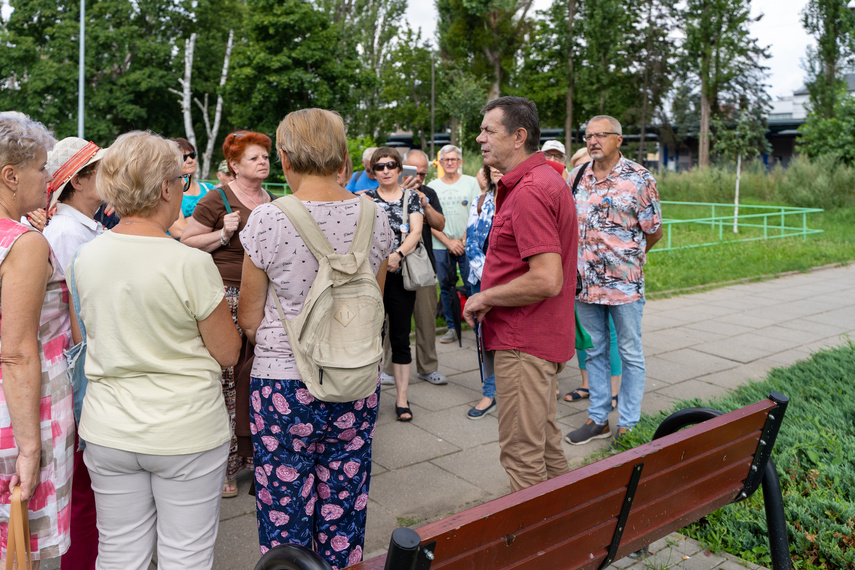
{"points": [[73, 163], [36, 421]]}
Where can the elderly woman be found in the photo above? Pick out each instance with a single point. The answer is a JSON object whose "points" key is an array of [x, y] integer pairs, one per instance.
{"points": [[156, 429], [36, 451], [477, 230], [312, 458], [217, 218], [73, 164], [406, 221], [195, 192]]}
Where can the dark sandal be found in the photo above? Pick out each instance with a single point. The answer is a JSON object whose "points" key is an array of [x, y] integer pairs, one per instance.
{"points": [[401, 411], [614, 402], [576, 395]]}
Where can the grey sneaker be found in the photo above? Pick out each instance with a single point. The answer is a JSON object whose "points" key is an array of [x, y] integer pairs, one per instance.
{"points": [[387, 379], [448, 337], [587, 432], [434, 378]]}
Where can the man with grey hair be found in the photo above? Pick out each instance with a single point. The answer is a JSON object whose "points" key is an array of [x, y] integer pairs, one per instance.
{"points": [[456, 192], [363, 180], [424, 313], [619, 221]]}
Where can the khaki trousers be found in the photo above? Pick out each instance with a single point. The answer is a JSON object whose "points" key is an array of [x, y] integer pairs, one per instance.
{"points": [[424, 315], [529, 436]]}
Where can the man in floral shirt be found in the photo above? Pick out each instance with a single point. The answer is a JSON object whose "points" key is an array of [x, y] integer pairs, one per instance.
{"points": [[619, 221]]}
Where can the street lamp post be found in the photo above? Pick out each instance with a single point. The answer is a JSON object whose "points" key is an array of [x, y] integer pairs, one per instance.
{"points": [[80, 89]]}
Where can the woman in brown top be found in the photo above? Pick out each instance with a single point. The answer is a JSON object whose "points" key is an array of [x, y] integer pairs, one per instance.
{"points": [[216, 221]]}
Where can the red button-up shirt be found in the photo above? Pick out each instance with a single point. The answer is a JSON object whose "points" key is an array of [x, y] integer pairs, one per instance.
{"points": [[535, 213]]}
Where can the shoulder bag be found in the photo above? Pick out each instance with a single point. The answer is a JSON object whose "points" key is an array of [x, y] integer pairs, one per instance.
{"points": [[416, 267]]}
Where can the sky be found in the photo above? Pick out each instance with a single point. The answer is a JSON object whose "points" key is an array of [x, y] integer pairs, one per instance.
{"points": [[780, 29]]}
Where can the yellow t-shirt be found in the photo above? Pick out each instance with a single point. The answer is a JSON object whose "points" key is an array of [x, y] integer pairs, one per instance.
{"points": [[153, 386]]}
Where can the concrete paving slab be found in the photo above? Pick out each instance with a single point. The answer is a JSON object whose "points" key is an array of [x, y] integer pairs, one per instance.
{"points": [[479, 466], [378, 528], [690, 363], [420, 492], [453, 426], [658, 342], [433, 398], [690, 389], [718, 327], [401, 444]]}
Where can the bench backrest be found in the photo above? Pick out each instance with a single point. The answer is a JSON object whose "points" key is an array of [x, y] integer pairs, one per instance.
{"points": [[571, 521]]}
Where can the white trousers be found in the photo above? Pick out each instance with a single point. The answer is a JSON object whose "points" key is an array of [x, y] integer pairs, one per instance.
{"points": [[172, 501]]}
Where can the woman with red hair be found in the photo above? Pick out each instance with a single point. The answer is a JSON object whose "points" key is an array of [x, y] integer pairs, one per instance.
{"points": [[214, 226]]}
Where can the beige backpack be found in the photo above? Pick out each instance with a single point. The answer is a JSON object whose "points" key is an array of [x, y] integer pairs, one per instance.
{"points": [[336, 337]]}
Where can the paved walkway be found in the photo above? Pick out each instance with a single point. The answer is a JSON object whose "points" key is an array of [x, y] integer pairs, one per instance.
{"points": [[698, 345]]}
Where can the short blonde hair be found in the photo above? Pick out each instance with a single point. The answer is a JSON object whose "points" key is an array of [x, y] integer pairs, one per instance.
{"points": [[133, 170], [314, 140]]}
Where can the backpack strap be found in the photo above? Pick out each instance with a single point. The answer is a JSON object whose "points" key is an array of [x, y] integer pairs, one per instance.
{"points": [[225, 200], [579, 177], [315, 239], [305, 225]]}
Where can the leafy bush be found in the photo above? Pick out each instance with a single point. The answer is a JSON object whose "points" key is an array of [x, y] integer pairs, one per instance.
{"points": [[813, 457]]}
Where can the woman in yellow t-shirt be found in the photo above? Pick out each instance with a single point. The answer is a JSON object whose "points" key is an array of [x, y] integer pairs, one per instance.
{"points": [[158, 332]]}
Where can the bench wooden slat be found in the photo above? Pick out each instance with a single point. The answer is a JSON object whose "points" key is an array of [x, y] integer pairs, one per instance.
{"points": [[697, 470]]}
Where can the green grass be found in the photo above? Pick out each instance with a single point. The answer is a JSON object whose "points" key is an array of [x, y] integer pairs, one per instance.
{"points": [[677, 271], [813, 456]]}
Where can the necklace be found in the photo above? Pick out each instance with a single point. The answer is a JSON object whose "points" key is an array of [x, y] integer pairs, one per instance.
{"points": [[248, 197]]}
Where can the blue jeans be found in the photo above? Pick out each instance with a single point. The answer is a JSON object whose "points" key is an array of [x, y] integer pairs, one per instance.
{"points": [[627, 320], [488, 390], [446, 273]]}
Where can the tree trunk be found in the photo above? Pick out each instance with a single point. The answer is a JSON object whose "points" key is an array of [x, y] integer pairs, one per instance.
{"points": [[736, 196], [495, 58], [218, 112], [645, 92], [704, 133], [568, 122], [187, 95]]}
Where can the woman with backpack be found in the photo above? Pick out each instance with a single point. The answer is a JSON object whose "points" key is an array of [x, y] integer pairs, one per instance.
{"points": [[213, 227], [312, 456]]}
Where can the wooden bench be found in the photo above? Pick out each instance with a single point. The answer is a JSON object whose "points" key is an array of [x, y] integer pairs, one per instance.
{"points": [[604, 511]]}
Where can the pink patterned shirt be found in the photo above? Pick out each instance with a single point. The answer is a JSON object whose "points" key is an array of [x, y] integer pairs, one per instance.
{"points": [[615, 216]]}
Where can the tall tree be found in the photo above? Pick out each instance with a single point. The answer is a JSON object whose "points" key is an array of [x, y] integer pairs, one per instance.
{"points": [[128, 68], [718, 51], [406, 86], [290, 59], [483, 36], [832, 23]]}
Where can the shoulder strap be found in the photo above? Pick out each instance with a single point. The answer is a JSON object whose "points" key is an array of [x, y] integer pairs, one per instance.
{"points": [[74, 297], [579, 177], [359, 174], [271, 194], [364, 227], [305, 225], [225, 200]]}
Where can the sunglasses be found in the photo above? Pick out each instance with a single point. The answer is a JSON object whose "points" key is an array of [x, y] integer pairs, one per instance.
{"points": [[190, 155], [422, 174], [380, 166]]}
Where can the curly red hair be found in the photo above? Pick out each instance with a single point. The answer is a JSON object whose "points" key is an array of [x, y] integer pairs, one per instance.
{"points": [[237, 142]]}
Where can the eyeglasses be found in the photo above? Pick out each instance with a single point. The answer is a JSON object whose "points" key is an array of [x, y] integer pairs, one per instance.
{"points": [[380, 166], [450, 160], [187, 179], [190, 155], [597, 136], [422, 174]]}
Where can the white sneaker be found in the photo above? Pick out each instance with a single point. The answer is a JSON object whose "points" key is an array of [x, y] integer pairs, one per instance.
{"points": [[448, 337], [435, 378], [387, 379]]}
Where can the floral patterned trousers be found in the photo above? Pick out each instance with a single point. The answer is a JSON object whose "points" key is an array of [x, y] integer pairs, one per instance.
{"points": [[312, 469]]}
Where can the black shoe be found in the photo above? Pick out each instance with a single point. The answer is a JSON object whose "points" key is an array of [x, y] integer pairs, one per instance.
{"points": [[476, 414]]}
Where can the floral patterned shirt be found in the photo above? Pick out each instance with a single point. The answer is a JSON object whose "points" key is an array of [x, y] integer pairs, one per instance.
{"points": [[477, 230], [615, 215]]}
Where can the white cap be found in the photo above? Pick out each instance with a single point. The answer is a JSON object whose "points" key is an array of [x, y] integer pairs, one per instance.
{"points": [[553, 145]]}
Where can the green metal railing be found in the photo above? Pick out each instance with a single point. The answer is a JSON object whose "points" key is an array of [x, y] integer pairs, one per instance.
{"points": [[277, 188], [754, 223]]}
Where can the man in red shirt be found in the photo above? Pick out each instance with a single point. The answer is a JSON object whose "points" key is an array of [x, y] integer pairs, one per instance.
{"points": [[528, 287]]}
